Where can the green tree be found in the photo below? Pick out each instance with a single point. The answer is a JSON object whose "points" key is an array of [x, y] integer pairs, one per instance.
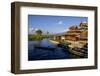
{"points": [[39, 32]]}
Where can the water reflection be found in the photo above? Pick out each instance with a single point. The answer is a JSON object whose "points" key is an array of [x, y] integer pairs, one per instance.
{"points": [[46, 54]]}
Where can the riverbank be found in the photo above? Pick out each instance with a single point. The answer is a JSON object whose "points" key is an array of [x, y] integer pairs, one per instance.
{"points": [[55, 42]]}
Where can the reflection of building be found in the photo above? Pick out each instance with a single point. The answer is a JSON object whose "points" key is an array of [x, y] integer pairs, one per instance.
{"points": [[75, 33]]}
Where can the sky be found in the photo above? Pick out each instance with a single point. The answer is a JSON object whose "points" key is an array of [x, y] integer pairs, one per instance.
{"points": [[53, 24]]}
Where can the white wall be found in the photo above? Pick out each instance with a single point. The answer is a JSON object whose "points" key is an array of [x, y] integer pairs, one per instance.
{"points": [[5, 33]]}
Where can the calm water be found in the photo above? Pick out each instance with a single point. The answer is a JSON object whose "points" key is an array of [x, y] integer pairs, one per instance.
{"points": [[44, 54]]}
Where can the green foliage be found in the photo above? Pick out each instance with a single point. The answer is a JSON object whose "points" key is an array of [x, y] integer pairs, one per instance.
{"points": [[39, 32], [35, 37]]}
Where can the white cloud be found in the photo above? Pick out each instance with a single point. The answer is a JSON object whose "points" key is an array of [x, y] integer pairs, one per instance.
{"points": [[31, 30], [60, 22]]}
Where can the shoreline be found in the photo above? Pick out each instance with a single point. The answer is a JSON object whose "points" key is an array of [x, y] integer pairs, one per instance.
{"points": [[55, 42]]}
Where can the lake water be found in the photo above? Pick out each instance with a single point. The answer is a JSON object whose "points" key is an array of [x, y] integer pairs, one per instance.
{"points": [[45, 54]]}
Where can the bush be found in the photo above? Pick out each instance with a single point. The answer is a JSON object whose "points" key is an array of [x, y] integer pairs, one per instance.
{"points": [[35, 37]]}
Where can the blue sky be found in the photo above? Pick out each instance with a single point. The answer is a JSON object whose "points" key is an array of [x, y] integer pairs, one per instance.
{"points": [[53, 24]]}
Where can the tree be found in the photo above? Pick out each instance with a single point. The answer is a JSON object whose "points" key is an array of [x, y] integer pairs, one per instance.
{"points": [[39, 32]]}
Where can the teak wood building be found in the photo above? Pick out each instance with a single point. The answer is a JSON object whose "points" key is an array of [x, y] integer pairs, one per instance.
{"points": [[74, 33]]}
